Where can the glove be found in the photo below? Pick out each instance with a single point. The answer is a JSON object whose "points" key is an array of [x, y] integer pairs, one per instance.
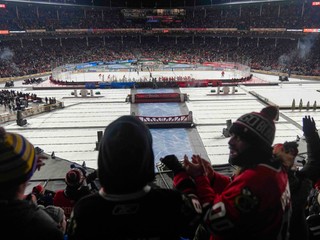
{"points": [[312, 137], [309, 126], [312, 167], [92, 176], [172, 163]]}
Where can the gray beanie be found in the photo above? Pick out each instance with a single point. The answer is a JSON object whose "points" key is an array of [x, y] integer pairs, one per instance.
{"points": [[55, 212], [125, 159]]}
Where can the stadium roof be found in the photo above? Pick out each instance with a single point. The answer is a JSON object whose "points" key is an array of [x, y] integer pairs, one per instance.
{"points": [[144, 3]]}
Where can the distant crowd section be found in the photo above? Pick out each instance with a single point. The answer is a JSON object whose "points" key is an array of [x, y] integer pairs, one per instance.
{"points": [[287, 14], [12, 100], [25, 57], [35, 52]]}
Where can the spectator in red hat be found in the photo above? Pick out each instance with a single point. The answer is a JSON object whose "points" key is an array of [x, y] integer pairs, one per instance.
{"points": [[255, 202], [75, 189], [43, 196], [38, 189], [20, 218]]}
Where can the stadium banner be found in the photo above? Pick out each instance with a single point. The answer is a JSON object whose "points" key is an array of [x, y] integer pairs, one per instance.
{"points": [[268, 29], [156, 95], [127, 29], [17, 32], [222, 29], [101, 30], [294, 30], [35, 30], [195, 29], [72, 30], [4, 32], [313, 30]]}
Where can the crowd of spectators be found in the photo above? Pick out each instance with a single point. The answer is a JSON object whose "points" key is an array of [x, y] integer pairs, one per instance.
{"points": [[125, 194], [201, 204], [38, 53], [12, 100], [15, 100], [288, 14], [278, 55]]}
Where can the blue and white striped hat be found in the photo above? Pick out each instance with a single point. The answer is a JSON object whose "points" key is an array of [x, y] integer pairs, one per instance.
{"points": [[17, 158]]}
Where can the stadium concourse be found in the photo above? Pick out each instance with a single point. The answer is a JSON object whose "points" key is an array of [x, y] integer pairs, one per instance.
{"points": [[71, 132]]}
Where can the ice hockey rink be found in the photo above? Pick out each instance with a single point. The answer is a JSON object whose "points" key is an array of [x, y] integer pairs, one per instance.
{"points": [[71, 132]]}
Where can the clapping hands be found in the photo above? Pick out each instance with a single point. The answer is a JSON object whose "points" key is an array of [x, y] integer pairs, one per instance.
{"points": [[198, 166]]}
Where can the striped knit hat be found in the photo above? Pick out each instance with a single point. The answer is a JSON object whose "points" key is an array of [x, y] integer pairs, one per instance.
{"points": [[17, 158]]}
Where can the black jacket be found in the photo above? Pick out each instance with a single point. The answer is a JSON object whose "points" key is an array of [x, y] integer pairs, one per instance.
{"points": [[147, 214], [20, 219]]}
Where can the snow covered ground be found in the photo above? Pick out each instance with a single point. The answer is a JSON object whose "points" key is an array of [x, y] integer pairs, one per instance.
{"points": [[71, 132]]}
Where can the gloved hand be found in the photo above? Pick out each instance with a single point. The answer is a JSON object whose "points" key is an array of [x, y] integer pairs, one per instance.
{"points": [[312, 167], [309, 126], [92, 176], [172, 163]]}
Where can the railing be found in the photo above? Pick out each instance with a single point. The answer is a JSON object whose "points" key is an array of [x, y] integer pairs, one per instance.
{"points": [[30, 111], [169, 119]]}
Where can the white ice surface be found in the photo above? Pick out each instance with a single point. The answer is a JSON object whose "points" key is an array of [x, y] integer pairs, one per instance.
{"points": [[72, 131]]}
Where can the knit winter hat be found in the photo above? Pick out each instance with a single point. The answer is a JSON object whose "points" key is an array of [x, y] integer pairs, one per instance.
{"points": [[17, 158], [39, 189], [257, 128], [74, 178], [125, 159], [55, 212]]}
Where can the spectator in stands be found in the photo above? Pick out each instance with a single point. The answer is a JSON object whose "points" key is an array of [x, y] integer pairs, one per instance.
{"points": [[76, 188], [126, 206], [255, 202], [57, 214], [301, 181], [313, 205], [21, 219], [300, 187], [43, 196]]}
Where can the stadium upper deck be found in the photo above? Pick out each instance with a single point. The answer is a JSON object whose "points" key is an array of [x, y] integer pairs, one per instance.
{"points": [[145, 3], [275, 36]]}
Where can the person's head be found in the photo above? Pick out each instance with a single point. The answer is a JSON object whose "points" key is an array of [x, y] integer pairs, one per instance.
{"points": [[38, 190], [125, 159], [57, 214], [317, 184], [74, 178], [252, 136], [286, 152], [18, 161]]}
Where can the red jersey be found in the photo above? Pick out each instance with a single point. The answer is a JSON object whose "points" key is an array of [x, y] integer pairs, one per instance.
{"points": [[254, 205], [61, 200]]}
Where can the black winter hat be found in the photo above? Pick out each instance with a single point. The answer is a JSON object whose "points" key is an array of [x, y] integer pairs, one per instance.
{"points": [[125, 159], [257, 128]]}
